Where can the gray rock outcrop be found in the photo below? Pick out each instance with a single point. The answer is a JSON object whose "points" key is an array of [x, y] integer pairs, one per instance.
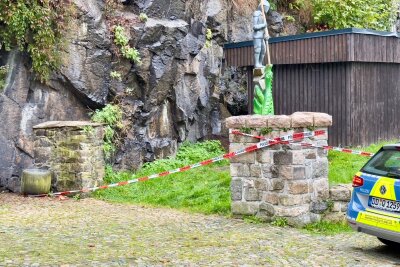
{"points": [[178, 93]]}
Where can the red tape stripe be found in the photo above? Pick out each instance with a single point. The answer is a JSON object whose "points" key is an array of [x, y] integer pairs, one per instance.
{"points": [[229, 155], [251, 148], [298, 136], [185, 168], [279, 140], [206, 162]]}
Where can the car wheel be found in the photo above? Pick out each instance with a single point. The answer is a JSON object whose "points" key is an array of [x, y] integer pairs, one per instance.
{"points": [[389, 243]]}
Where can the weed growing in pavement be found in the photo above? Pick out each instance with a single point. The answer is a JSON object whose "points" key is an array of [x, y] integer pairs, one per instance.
{"points": [[280, 222], [327, 228]]}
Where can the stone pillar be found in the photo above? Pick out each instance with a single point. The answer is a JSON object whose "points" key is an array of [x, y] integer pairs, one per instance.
{"points": [[281, 181], [73, 151]]}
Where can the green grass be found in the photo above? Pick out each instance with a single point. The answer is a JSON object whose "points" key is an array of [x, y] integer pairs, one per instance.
{"points": [[327, 228], [205, 190], [342, 166]]}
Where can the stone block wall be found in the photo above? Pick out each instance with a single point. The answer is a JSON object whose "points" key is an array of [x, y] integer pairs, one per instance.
{"points": [[281, 181], [339, 198], [73, 151]]}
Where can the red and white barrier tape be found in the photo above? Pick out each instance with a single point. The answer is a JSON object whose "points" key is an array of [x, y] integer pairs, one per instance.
{"points": [[266, 143], [344, 150]]}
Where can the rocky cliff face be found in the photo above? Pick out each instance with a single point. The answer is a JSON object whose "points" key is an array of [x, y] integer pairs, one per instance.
{"points": [[177, 94]]}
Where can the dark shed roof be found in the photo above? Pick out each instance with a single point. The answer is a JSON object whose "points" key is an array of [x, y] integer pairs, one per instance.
{"points": [[347, 45]]}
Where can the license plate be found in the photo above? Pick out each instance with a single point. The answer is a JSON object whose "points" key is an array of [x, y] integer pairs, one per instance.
{"points": [[384, 204]]}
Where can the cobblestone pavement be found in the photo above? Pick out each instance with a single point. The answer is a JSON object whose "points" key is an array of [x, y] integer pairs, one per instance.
{"points": [[50, 232]]}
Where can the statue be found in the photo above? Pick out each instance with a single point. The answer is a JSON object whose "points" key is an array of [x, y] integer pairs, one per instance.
{"points": [[263, 103], [260, 36]]}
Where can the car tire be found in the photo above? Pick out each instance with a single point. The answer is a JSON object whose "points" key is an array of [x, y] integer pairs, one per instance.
{"points": [[389, 243]]}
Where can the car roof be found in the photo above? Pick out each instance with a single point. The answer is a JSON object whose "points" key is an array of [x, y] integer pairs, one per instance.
{"points": [[391, 146]]}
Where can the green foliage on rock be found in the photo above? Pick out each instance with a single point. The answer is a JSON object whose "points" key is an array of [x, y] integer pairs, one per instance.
{"points": [[111, 116], [209, 36], [36, 27], [3, 75], [116, 75], [339, 14], [143, 17], [122, 41]]}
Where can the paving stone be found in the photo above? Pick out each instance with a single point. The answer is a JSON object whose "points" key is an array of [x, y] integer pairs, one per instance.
{"points": [[110, 234]]}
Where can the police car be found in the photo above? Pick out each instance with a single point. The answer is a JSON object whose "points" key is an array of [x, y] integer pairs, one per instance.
{"points": [[375, 203]]}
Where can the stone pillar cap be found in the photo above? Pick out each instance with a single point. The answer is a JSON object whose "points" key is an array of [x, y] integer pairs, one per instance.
{"points": [[296, 120], [62, 124]]}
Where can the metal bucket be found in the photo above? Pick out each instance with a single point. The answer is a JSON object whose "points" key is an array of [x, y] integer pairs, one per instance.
{"points": [[35, 181]]}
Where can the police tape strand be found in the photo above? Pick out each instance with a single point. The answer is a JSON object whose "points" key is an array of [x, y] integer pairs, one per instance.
{"points": [[340, 149], [266, 143]]}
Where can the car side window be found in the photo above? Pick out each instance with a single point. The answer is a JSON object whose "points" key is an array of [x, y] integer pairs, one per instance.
{"points": [[386, 162], [394, 160]]}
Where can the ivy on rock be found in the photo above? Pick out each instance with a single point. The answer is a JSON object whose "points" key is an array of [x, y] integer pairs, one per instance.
{"points": [[37, 27]]}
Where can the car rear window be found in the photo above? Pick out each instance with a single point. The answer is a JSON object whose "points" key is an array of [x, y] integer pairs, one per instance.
{"points": [[384, 163]]}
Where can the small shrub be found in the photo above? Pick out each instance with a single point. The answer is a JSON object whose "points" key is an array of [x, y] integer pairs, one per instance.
{"points": [[111, 115], [131, 53], [143, 17], [122, 41], [376, 14]]}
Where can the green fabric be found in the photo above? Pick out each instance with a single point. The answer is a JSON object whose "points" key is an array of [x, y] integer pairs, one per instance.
{"points": [[263, 100]]}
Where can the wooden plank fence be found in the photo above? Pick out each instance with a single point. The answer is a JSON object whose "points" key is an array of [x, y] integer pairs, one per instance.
{"points": [[352, 74]]}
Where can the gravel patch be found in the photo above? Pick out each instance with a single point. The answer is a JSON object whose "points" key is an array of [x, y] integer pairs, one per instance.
{"points": [[89, 232]]}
